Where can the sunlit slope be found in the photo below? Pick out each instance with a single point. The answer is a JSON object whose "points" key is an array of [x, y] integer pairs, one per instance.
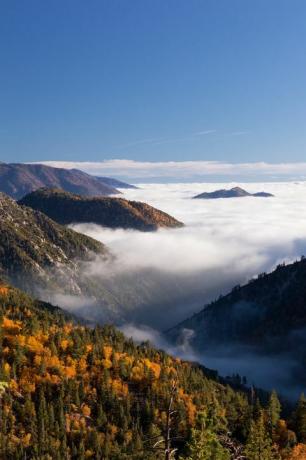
{"points": [[67, 390], [18, 179], [68, 208], [34, 250]]}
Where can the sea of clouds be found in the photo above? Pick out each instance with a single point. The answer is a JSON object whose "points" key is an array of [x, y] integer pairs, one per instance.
{"points": [[224, 242], [163, 277]]}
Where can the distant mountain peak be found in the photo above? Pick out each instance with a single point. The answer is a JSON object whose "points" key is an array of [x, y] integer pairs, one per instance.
{"points": [[235, 192], [18, 179]]}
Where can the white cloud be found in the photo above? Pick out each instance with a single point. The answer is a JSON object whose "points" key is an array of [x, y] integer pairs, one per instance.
{"points": [[184, 170], [204, 133], [159, 278], [162, 277], [224, 242]]}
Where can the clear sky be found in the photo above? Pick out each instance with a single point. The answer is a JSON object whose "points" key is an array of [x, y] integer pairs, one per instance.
{"points": [[153, 80]]}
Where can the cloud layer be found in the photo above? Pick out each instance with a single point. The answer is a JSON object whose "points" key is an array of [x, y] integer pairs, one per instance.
{"points": [[163, 277], [187, 170], [225, 242]]}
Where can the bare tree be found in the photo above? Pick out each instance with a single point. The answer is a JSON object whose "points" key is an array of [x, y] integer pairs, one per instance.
{"points": [[235, 449], [164, 441]]}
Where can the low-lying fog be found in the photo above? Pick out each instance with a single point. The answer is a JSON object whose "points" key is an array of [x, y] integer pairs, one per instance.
{"points": [[167, 275]]}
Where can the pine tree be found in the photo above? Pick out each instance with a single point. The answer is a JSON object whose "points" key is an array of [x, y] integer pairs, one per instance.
{"points": [[299, 419], [81, 451], [274, 409], [259, 443], [204, 443]]}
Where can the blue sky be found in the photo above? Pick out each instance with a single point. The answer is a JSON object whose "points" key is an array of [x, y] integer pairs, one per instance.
{"points": [[153, 80]]}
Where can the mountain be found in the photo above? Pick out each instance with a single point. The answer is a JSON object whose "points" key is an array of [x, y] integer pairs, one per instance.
{"points": [[73, 392], [61, 265], [35, 251], [262, 194], [67, 208], [266, 316], [16, 180], [235, 192], [114, 182]]}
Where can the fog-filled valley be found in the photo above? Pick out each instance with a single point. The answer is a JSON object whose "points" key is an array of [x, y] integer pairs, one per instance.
{"points": [[224, 243], [160, 278]]}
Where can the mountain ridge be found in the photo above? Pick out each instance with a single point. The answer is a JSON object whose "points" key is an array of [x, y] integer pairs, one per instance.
{"points": [[116, 183], [33, 247], [264, 318], [67, 208], [19, 179]]}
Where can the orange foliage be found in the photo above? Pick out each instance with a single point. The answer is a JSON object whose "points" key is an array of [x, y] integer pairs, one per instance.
{"points": [[7, 368], [3, 290], [64, 344], [41, 363], [13, 327], [21, 339], [86, 410], [106, 363], [154, 367], [137, 373], [34, 345], [298, 453], [190, 406], [67, 328], [107, 352], [120, 388], [25, 440], [70, 372], [82, 365], [52, 361]]}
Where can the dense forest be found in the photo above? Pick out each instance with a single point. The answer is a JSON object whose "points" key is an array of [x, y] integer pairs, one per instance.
{"points": [[68, 391], [268, 313]]}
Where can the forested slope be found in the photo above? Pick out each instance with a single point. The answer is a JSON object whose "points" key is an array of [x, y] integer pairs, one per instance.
{"points": [[73, 392], [67, 208]]}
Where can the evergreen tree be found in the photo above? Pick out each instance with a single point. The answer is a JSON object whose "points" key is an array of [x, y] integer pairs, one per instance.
{"points": [[274, 409], [204, 443], [259, 443], [299, 419]]}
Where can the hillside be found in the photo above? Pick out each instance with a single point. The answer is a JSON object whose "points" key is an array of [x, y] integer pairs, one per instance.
{"points": [[114, 182], [235, 192], [35, 251], [18, 179], [268, 313], [43, 257], [67, 208], [68, 391]]}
